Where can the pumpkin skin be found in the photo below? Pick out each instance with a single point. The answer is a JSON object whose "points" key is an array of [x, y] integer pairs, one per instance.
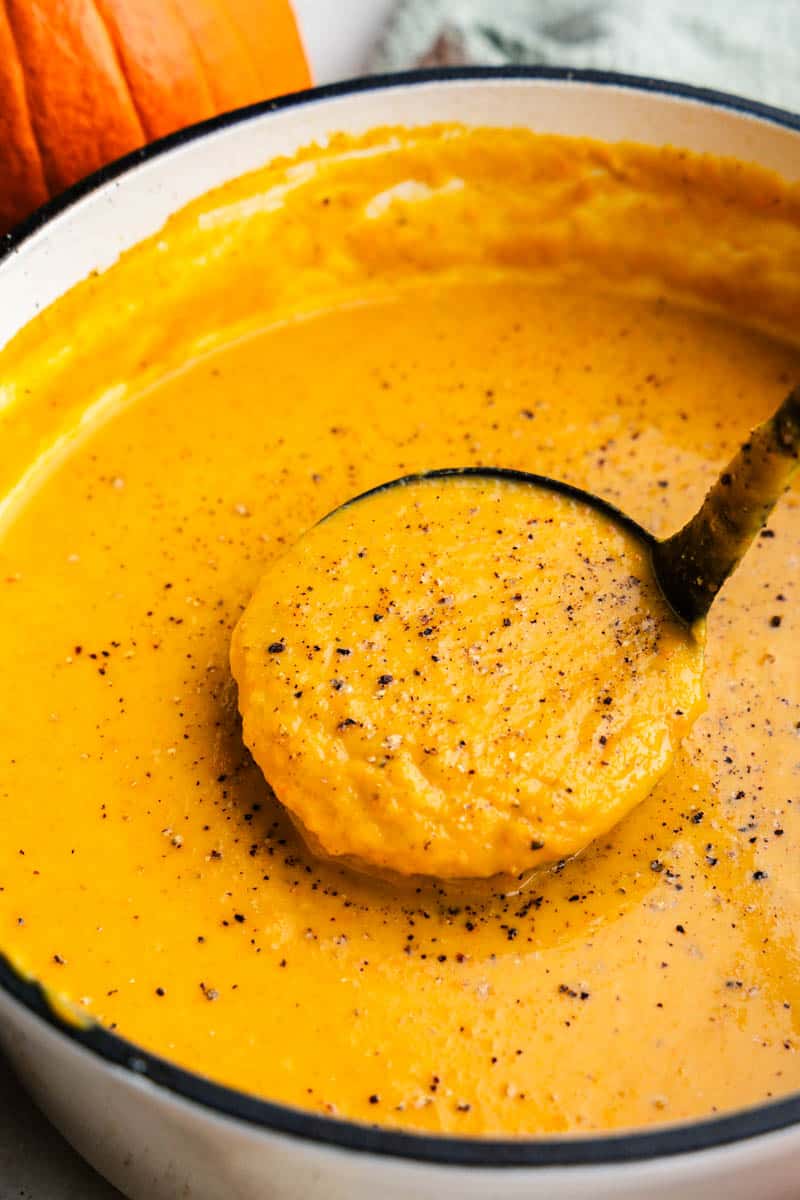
{"points": [[85, 81]]}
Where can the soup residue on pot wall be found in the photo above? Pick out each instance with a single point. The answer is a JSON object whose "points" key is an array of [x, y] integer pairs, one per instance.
{"points": [[615, 316]]}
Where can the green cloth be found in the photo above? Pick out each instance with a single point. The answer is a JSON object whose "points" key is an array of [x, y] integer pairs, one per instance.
{"points": [[751, 47]]}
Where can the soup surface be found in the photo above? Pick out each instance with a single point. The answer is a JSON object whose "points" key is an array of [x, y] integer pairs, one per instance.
{"points": [[447, 298]]}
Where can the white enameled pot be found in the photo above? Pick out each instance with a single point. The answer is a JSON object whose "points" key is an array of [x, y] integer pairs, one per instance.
{"points": [[156, 1131]]}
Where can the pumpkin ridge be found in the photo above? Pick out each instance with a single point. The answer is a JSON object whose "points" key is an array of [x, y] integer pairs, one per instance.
{"points": [[221, 11], [37, 177], [50, 183], [243, 41], [81, 109], [277, 17], [160, 63], [111, 34], [201, 69]]}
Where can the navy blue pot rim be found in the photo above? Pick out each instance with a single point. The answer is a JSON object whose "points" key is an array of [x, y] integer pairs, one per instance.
{"points": [[569, 1150], [12, 240]]}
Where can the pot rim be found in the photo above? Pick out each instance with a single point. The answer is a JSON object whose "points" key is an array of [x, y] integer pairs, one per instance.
{"points": [[454, 1151]]}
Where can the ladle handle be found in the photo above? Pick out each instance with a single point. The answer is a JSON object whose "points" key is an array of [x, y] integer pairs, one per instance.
{"points": [[693, 564]]}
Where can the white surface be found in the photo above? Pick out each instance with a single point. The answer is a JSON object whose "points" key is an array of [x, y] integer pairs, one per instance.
{"points": [[339, 34], [175, 1149]]}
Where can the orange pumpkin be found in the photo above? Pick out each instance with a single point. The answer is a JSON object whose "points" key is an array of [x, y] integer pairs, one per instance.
{"points": [[84, 81]]}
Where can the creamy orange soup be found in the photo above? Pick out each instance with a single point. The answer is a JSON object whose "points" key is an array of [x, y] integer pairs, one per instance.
{"points": [[613, 316]]}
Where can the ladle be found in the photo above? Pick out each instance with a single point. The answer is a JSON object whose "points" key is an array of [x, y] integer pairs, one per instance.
{"points": [[451, 677]]}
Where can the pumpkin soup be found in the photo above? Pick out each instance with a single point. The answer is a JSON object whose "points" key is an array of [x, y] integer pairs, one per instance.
{"points": [[465, 675], [442, 297]]}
